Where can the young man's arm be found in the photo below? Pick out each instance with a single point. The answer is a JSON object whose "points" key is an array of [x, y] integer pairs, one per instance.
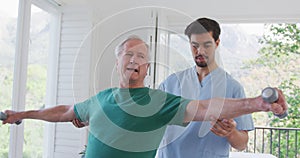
{"points": [[77, 123], [215, 108], [61, 113], [238, 139]]}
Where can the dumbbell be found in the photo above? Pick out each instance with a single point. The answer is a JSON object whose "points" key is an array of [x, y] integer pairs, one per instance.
{"points": [[270, 95], [3, 117]]}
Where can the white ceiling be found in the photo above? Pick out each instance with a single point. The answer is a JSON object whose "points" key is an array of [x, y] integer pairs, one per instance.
{"points": [[223, 10]]}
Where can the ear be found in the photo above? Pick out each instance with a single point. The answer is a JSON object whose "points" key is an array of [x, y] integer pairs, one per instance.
{"points": [[148, 65], [218, 42], [117, 63]]}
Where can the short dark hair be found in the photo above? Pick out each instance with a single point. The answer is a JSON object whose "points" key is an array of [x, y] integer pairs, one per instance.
{"points": [[203, 25]]}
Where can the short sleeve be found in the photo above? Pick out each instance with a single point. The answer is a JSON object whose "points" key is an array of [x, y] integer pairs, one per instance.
{"points": [[162, 87], [179, 117], [82, 110], [176, 105]]}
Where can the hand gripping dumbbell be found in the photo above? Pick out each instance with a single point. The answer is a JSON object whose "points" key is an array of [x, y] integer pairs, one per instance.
{"points": [[3, 117], [270, 95]]}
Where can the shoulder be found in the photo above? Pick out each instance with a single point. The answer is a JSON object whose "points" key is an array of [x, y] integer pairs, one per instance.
{"points": [[108, 90], [234, 88], [105, 92], [231, 81], [102, 94], [177, 76], [158, 93]]}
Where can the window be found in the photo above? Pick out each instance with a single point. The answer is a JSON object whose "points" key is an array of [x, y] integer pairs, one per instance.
{"points": [[239, 42], [36, 79], [27, 41], [8, 27]]}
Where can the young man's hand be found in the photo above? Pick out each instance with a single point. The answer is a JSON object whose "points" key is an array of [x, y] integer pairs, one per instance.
{"points": [[77, 123], [223, 127]]}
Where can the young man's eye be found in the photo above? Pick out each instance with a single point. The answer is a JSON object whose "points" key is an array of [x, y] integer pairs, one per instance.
{"points": [[207, 45], [195, 46]]}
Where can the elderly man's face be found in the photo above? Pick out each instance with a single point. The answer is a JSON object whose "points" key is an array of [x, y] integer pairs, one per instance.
{"points": [[132, 63]]}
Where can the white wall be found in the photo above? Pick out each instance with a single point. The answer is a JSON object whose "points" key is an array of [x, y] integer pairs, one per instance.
{"points": [[107, 33], [73, 78], [102, 24]]}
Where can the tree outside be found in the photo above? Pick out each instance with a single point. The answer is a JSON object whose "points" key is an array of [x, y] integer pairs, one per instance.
{"points": [[279, 65]]}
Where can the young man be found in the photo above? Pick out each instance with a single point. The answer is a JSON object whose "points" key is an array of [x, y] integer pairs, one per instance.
{"points": [[205, 80], [129, 121]]}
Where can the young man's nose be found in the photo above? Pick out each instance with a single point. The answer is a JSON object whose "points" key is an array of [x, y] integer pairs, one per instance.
{"points": [[200, 50]]}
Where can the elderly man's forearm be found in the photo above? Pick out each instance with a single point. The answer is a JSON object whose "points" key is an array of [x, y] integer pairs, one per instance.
{"points": [[62, 113], [221, 108]]}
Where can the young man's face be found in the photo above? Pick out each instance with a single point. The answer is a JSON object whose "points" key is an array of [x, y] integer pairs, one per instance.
{"points": [[203, 48], [132, 63]]}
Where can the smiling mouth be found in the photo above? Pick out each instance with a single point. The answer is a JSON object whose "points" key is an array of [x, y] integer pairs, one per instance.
{"points": [[132, 69]]}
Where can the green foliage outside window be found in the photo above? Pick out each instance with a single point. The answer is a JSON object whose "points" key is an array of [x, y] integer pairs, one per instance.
{"points": [[280, 57], [36, 88]]}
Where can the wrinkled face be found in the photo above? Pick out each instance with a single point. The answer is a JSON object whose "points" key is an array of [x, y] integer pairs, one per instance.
{"points": [[203, 47], [132, 63]]}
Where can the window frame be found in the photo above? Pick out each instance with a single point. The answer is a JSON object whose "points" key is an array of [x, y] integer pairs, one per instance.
{"points": [[20, 70]]}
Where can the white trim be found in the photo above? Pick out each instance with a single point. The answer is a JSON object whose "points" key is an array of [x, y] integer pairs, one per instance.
{"points": [[52, 69], [52, 81], [20, 76], [47, 6], [54, 2]]}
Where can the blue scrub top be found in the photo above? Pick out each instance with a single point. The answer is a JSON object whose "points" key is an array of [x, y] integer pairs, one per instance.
{"points": [[196, 140]]}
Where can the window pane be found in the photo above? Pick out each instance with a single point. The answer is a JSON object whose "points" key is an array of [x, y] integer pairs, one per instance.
{"points": [[176, 56], [239, 43], [180, 49], [36, 80], [8, 27]]}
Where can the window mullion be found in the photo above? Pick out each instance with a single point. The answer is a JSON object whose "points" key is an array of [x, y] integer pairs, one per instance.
{"points": [[20, 76]]}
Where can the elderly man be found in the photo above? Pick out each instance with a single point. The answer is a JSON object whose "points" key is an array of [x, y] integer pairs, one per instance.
{"points": [[129, 121]]}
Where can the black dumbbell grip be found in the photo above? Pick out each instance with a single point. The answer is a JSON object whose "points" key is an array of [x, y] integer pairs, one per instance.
{"points": [[281, 116], [4, 117]]}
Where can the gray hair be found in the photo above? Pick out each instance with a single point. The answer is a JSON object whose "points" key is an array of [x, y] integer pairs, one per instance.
{"points": [[119, 47]]}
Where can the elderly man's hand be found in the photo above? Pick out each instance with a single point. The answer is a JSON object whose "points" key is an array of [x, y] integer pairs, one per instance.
{"points": [[278, 108], [12, 117]]}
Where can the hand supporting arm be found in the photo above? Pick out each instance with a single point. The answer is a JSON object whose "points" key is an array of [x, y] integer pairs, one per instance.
{"points": [[238, 139]]}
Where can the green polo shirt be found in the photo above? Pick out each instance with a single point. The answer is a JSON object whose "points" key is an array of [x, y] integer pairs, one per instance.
{"points": [[129, 123]]}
